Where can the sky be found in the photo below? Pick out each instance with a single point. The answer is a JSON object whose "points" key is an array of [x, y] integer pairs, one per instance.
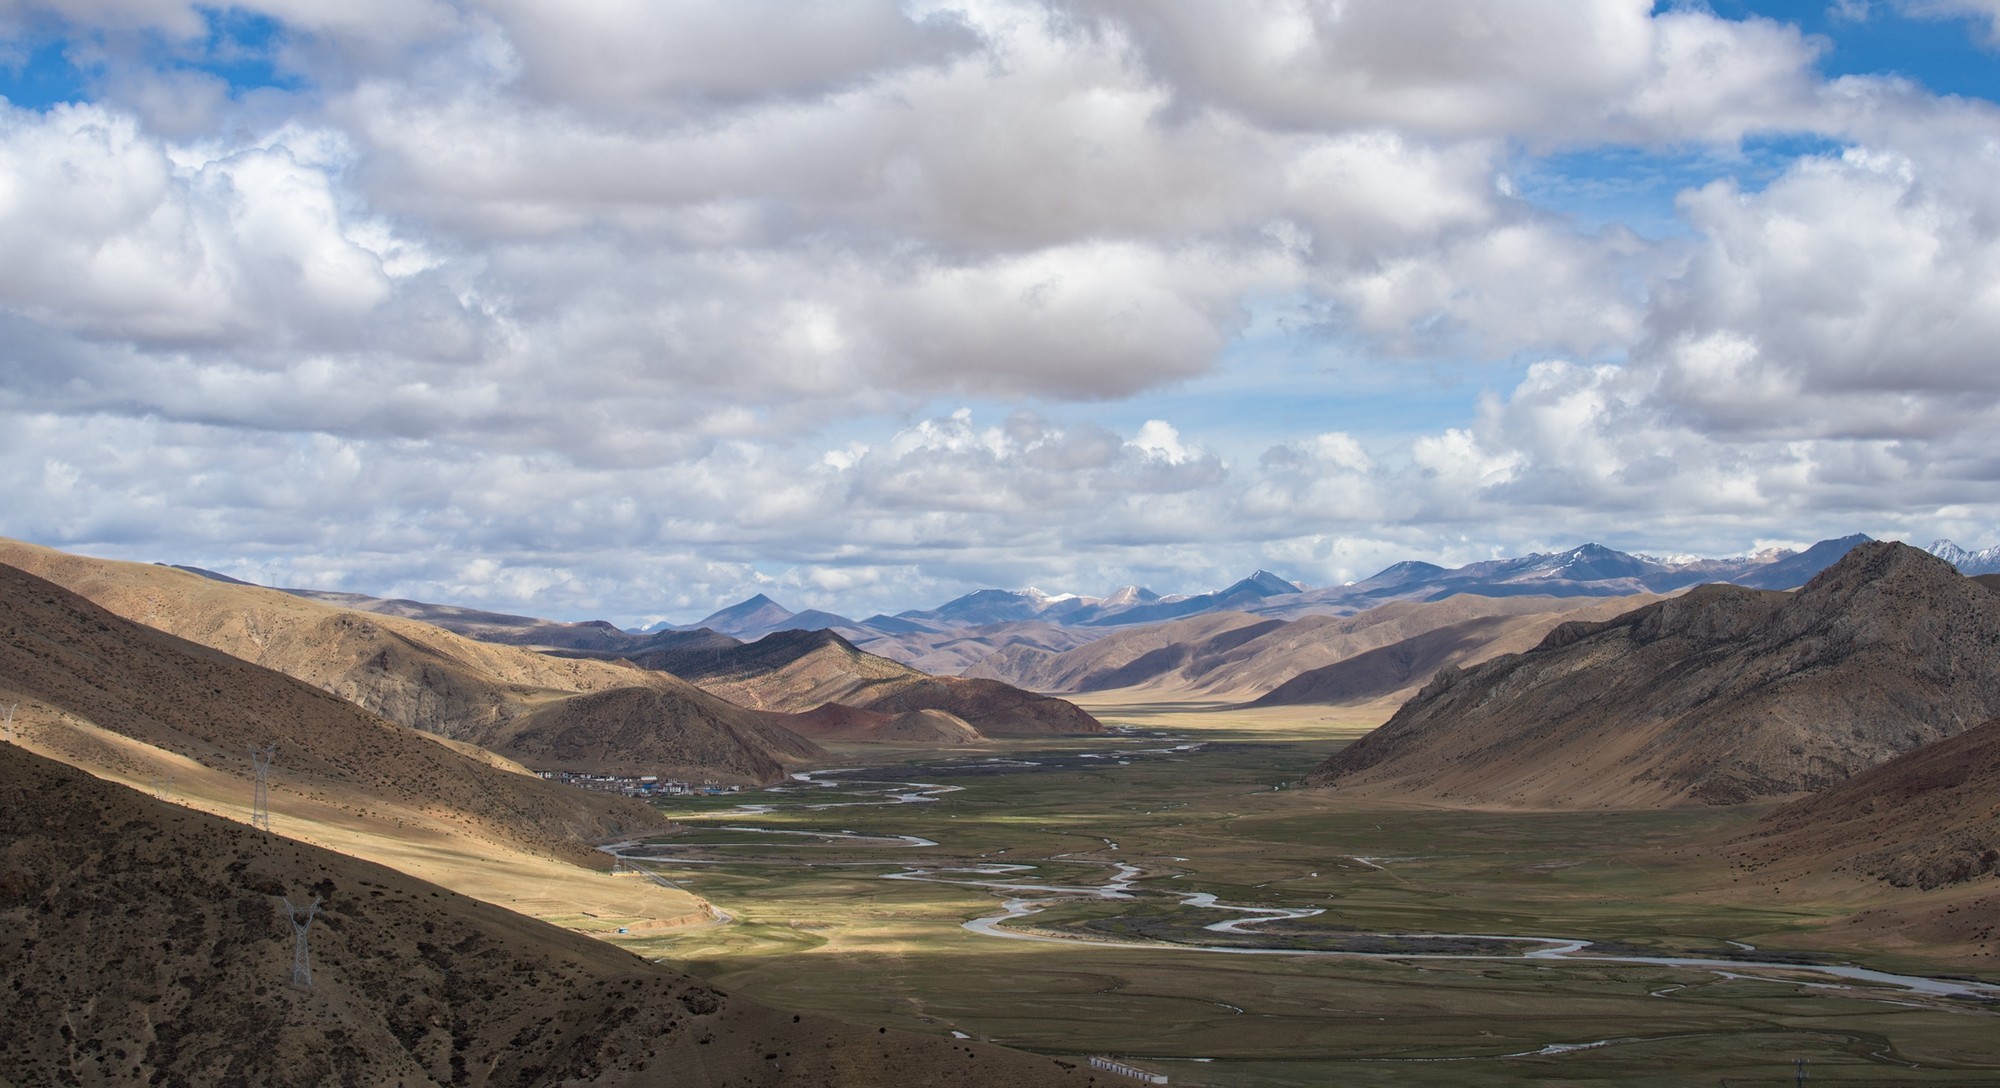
{"points": [[630, 309]]}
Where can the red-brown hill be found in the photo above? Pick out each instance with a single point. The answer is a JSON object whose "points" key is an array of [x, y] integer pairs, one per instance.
{"points": [[799, 671]]}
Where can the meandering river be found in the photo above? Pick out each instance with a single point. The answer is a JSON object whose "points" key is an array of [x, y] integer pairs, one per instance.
{"points": [[1023, 897]]}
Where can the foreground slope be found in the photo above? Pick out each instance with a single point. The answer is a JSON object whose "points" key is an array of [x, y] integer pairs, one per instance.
{"points": [[505, 698], [121, 698], [146, 943], [1722, 695]]}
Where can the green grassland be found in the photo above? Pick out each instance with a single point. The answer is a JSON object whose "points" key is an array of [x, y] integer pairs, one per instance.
{"points": [[817, 928]]}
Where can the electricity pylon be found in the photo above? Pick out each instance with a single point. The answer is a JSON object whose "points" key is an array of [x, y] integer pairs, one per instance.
{"points": [[302, 920], [260, 798]]}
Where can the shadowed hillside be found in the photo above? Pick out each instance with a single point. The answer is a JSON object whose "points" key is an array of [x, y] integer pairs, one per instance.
{"points": [[1719, 696], [146, 943]]}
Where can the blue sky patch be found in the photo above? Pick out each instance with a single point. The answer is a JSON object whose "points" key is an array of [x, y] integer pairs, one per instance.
{"points": [[55, 63], [39, 73], [1944, 54]]}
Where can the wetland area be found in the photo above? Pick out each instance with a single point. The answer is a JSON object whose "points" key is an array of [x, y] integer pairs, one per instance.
{"points": [[1162, 895]]}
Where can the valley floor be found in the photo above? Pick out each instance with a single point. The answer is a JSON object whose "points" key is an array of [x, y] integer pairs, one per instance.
{"points": [[850, 892]]}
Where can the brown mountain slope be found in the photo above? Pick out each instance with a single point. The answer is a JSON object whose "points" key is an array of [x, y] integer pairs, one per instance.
{"points": [[798, 671], [1926, 819], [1159, 655], [952, 651], [1236, 655], [679, 732], [1402, 666], [429, 678], [832, 721], [146, 943], [484, 626], [1385, 670], [1719, 696], [84, 672]]}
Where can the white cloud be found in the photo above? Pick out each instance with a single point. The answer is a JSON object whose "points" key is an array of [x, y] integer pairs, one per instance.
{"points": [[102, 232], [1856, 295], [529, 303], [1535, 69]]}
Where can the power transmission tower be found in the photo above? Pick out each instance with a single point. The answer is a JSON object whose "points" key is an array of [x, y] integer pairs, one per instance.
{"points": [[302, 972], [260, 799], [8, 722]]}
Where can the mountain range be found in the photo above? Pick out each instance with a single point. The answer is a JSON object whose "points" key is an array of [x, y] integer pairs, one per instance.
{"points": [[992, 633], [961, 633], [575, 708], [1587, 570]]}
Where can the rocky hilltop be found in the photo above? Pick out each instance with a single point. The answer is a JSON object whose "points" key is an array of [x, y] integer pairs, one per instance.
{"points": [[1719, 696], [147, 943]]}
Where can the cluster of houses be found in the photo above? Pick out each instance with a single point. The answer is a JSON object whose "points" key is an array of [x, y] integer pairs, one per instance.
{"points": [[641, 785]]}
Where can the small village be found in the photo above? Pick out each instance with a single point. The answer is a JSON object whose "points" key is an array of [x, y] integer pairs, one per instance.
{"points": [[645, 785]]}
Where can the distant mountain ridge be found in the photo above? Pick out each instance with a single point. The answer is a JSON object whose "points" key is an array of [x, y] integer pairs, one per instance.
{"points": [[1588, 570], [1015, 635], [1983, 561]]}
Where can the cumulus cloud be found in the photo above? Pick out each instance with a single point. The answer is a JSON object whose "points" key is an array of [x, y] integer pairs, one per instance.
{"points": [[1855, 295], [631, 309], [1536, 69]]}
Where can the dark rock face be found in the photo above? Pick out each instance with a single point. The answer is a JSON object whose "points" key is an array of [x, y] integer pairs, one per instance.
{"points": [[1722, 695], [1926, 819]]}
